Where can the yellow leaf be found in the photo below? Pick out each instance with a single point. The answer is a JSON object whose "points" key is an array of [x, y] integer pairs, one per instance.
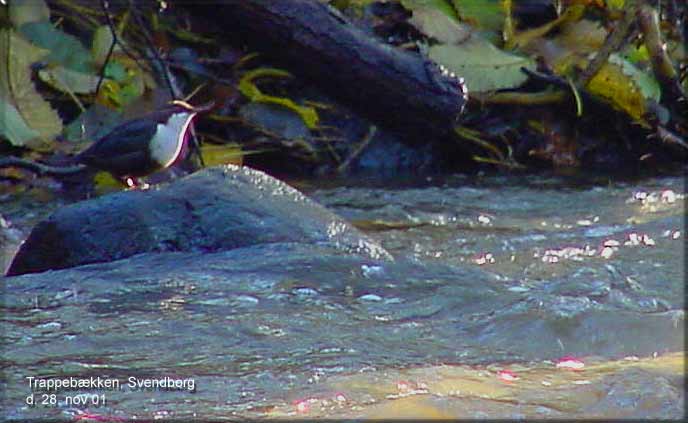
{"points": [[625, 87], [583, 36], [615, 4], [214, 154], [109, 94], [248, 88], [106, 183]]}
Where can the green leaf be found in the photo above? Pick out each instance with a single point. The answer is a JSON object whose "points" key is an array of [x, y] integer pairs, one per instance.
{"points": [[647, 85], [483, 66], [487, 15], [102, 40], [68, 80], [13, 127], [25, 11], [116, 71], [436, 24], [636, 53], [132, 89], [442, 5], [65, 49], [19, 94]]}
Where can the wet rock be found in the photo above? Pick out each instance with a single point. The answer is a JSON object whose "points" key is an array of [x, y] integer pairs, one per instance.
{"points": [[217, 209]]}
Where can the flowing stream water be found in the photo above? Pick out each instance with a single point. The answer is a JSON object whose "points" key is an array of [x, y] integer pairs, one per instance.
{"points": [[509, 297]]}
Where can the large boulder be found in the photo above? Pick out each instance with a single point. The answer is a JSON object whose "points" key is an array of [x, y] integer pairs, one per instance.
{"points": [[216, 209]]}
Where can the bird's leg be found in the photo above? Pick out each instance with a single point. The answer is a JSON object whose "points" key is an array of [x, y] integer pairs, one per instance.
{"points": [[134, 183]]}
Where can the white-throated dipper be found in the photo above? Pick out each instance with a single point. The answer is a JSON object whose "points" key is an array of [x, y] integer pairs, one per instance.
{"points": [[141, 146]]}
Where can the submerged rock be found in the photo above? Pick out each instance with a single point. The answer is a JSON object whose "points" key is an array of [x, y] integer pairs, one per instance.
{"points": [[220, 208]]}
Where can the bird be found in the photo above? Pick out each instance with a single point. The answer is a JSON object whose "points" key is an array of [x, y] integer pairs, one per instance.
{"points": [[141, 146]]}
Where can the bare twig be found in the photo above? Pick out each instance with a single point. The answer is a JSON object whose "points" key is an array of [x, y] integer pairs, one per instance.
{"points": [[498, 158], [358, 150], [164, 70], [524, 99], [106, 11], [40, 168], [613, 42], [664, 70], [175, 92], [669, 137], [548, 78]]}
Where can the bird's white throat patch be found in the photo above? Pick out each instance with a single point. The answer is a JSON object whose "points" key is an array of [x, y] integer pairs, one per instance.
{"points": [[169, 138]]}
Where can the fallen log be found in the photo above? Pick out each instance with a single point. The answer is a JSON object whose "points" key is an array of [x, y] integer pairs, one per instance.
{"points": [[400, 90]]}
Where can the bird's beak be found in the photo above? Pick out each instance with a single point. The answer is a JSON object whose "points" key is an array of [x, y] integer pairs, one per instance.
{"points": [[205, 107]]}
